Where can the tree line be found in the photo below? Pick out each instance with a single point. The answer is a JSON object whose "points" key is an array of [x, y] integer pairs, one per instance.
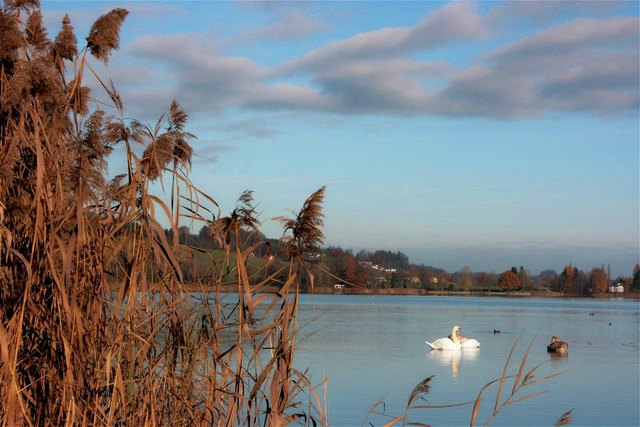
{"points": [[388, 269]]}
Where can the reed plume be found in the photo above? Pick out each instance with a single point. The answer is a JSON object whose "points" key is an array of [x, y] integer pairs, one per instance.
{"points": [[65, 45], [306, 234], [104, 35], [36, 33]]}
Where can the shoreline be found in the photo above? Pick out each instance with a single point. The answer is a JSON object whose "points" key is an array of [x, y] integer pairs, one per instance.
{"points": [[634, 295]]}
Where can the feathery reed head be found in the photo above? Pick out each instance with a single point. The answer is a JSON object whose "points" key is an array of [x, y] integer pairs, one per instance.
{"points": [[12, 38], [242, 217], [65, 44], [23, 4], [79, 98], [36, 33], [104, 35], [306, 230]]}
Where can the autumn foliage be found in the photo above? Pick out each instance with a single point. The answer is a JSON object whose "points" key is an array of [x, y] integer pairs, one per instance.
{"points": [[509, 281], [598, 279], [568, 279]]}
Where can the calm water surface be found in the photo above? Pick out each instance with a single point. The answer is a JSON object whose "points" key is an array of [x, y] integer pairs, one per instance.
{"points": [[372, 348]]}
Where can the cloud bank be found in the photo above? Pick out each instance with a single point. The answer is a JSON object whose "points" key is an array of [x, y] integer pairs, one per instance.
{"points": [[587, 65]]}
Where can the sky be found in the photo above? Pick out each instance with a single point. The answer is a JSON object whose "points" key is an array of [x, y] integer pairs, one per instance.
{"points": [[479, 134]]}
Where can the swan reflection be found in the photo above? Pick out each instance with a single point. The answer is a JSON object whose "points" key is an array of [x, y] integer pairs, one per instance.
{"points": [[452, 358]]}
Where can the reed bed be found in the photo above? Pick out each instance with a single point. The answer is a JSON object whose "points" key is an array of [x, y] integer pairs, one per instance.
{"points": [[96, 324]]}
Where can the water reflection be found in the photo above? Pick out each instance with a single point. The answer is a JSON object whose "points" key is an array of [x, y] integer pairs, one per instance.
{"points": [[558, 358], [453, 358]]}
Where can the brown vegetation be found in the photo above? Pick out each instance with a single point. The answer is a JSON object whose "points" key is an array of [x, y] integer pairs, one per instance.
{"points": [[509, 281], [598, 279], [96, 326]]}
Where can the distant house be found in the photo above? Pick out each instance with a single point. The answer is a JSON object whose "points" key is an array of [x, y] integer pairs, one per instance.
{"points": [[616, 287]]}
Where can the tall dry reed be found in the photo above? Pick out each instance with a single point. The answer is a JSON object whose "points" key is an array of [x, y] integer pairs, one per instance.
{"points": [[96, 324]]}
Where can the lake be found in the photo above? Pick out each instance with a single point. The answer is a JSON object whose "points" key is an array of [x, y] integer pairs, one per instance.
{"points": [[373, 347]]}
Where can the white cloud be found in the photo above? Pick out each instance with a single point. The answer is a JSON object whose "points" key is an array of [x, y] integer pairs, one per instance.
{"points": [[584, 65], [540, 12], [206, 78], [291, 25], [455, 21], [577, 34]]}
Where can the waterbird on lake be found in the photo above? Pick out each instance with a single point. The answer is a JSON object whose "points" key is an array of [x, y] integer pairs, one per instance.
{"points": [[467, 342], [557, 346], [447, 343], [495, 331]]}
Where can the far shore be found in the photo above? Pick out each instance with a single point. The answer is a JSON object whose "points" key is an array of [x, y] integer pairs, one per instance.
{"points": [[425, 292]]}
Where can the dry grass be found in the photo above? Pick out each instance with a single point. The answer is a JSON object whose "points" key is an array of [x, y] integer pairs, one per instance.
{"points": [[96, 327]]}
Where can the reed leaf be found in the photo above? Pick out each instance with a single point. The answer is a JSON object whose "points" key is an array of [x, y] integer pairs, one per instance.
{"points": [[565, 419]]}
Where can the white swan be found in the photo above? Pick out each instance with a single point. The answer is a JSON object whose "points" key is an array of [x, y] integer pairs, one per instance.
{"points": [[447, 343], [468, 342]]}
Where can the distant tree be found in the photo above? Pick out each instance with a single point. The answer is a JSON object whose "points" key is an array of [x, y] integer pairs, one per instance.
{"points": [[466, 278], [387, 259], [547, 279], [567, 279], [582, 283], [492, 279], [443, 279], [514, 270], [350, 270], [635, 284], [598, 280], [509, 281], [524, 276], [205, 234], [423, 275], [364, 276], [184, 235], [482, 279]]}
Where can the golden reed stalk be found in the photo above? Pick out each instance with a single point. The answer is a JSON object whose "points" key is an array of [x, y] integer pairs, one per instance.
{"points": [[97, 326]]}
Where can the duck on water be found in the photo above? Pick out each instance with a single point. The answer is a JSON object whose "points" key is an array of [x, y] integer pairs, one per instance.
{"points": [[557, 346]]}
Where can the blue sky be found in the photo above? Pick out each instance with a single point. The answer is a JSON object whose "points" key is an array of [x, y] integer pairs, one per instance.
{"points": [[480, 134]]}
